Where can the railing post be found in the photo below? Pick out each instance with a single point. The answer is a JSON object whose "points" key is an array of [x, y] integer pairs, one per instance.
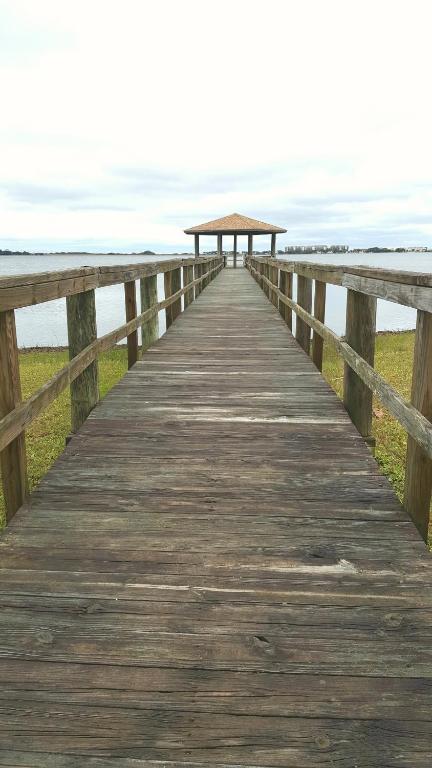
{"points": [[274, 278], [319, 313], [197, 274], [360, 335], [149, 297], [172, 283], [285, 286], [304, 299], [187, 278], [261, 270], [266, 270], [81, 323], [418, 474], [219, 246], [131, 312], [13, 457]]}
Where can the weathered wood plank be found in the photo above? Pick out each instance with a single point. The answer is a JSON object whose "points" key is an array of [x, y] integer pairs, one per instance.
{"points": [[13, 455], [81, 322], [304, 299], [149, 298], [188, 278], [285, 286], [25, 290], [360, 333], [319, 313], [418, 474], [25, 413], [400, 293], [131, 312], [215, 572], [410, 418]]}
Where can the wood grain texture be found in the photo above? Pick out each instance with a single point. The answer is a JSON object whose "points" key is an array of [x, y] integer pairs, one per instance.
{"points": [[304, 299], [131, 312], [82, 331], [172, 283], [418, 475], [285, 286], [417, 425], [360, 334], [25, 413], [149, 297], [25, 290], [336, 274], [419, 297], [188, 278], [319, 313], [214, 573], [13, 456]]}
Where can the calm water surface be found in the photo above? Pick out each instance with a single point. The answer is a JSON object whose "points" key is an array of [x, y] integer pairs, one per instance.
{"points": [[45, 324]]}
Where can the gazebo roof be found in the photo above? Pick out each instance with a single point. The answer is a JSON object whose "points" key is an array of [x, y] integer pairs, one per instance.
{"points": [[234, 224]]}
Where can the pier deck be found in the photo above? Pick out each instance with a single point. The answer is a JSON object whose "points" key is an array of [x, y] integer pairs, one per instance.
{"points": [[215, 572]]}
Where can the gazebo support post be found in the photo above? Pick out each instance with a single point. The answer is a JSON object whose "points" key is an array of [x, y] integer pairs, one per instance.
{"points": [[219, 248], [250, 245], [234, 225]]}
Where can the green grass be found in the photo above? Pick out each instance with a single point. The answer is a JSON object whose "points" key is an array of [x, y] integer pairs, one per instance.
{"points": [[393, 360], [46, 436]]}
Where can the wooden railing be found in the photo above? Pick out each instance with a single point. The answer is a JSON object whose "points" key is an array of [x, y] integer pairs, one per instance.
{"points": [[81, 373], [357, 348]]}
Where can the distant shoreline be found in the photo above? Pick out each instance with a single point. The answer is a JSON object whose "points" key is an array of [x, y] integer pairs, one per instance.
{"points": [[289, 256]]}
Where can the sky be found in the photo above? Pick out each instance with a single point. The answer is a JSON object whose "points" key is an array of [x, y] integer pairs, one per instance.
{"points": [[125, 122]]}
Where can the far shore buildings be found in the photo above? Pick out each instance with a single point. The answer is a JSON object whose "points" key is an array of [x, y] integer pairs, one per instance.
{"points": [[316, 248]]}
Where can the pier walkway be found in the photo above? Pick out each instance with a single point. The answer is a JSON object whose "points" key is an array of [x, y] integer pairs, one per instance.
{"points": [[215, 573]]}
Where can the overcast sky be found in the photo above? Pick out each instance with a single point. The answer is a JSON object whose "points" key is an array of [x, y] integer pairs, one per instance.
{"points": [[125, 121]]}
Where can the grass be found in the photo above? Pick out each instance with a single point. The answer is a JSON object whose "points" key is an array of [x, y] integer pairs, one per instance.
{"points": [[393, 360], [46, 436]]}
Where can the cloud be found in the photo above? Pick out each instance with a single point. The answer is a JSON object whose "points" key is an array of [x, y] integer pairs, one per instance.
{"points": [[120, 127], [154, 181], [38, 194]]}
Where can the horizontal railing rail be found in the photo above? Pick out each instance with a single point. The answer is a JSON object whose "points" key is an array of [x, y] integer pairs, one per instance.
{"points": [[357, 349], [25, 290], [80, 374]]}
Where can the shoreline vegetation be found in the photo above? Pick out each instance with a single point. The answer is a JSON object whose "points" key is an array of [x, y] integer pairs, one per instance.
{"points": [[47, 435], [27, 350]]}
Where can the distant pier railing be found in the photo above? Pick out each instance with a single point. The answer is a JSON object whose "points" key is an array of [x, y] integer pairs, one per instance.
{"points": [[361, 381], [81, 373]]}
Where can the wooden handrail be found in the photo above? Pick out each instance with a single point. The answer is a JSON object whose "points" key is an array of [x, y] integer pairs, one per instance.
{"points": [[25, 290], [411, 289], [17, 415], [415, 291]]}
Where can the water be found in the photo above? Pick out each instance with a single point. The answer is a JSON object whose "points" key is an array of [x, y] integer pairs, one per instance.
{"points": [[45, 324], [390, 317]]}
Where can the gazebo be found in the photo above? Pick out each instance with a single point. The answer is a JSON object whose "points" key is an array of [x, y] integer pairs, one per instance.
{"points": [[235, 224]]}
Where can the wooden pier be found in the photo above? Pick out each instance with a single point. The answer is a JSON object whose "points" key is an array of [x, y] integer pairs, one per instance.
{"points": [[214, 572]]}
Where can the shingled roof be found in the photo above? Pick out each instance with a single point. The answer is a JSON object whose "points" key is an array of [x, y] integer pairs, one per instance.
{"points": [[234, 224]]}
